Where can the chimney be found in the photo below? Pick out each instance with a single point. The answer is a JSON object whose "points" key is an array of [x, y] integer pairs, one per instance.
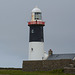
{"points": [[50, 52]]}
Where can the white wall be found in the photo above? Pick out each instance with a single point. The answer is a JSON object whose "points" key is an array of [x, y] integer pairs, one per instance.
{"points": [[38, 50]]}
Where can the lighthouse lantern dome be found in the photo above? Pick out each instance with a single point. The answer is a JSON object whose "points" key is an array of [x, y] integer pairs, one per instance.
{"points": [[36, 14], [36, 9]]}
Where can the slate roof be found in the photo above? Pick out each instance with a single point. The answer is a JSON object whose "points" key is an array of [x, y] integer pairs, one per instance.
{"points": [[61, 56]]}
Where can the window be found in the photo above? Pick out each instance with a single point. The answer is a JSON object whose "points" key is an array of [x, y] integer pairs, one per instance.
{"points": [[42, 57], [31, 49], [38, 16], [32, 31]]}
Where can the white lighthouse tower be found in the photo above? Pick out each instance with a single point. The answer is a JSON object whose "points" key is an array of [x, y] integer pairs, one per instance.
{"points": [[36, 35]]}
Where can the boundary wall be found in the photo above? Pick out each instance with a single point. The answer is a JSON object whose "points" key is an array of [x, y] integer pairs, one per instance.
{"points": [[46, 65]]}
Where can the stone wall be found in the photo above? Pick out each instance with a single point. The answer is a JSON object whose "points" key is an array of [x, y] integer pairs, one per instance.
{"points": [[46, 65], [69, 70]]}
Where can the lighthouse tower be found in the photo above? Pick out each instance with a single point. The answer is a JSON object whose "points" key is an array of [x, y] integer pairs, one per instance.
{"points": [[36, 35]]}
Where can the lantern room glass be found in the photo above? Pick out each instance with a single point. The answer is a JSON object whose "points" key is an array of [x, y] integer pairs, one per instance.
{"points": [[38, 16]]}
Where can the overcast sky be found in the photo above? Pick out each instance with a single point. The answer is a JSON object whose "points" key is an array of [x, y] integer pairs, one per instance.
{"points": [[59, 31]]}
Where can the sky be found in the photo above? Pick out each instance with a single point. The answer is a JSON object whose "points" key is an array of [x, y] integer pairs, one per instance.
{"points": [[59, 30]]}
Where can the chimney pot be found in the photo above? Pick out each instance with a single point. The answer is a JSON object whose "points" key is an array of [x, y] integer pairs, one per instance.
{"points": [[50, 52]]}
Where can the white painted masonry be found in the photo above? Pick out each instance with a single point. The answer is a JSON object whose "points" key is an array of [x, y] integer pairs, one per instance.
{"points": [[36, 50]]}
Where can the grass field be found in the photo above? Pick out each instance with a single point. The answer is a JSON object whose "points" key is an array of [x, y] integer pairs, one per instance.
{"points": [[20, 72]]}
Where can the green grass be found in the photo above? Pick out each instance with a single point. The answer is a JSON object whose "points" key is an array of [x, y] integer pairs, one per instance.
{"points": [[20, 72]]}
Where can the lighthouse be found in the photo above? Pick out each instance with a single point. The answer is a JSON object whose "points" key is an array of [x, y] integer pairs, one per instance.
{"points": [[36, 35]]}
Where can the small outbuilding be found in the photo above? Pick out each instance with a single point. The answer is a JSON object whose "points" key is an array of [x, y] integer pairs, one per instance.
{"points": [[61, 56], [52, 56]]}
